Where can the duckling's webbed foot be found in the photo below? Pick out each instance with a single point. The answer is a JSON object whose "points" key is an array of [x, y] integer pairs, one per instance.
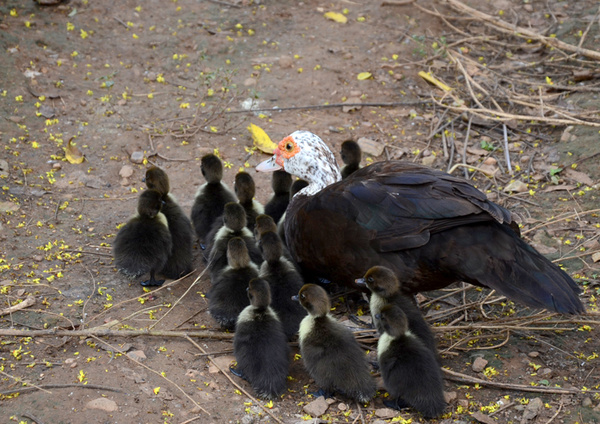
{"points": [[397, 404], [237, 373], [152, 281], [355, 319], [321, 392]]}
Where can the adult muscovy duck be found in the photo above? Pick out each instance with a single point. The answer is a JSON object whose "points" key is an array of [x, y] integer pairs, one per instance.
{"points": [[431, 228]]}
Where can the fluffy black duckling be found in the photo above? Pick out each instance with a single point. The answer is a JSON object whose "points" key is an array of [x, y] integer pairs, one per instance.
{"points": [[211, 197], [227, 296], [284, 281], [264, 223], [409, 369], [297, 185], [180, 226], [144, 243], [330, 353], [260, 344], [385, 289], [234, 225], [245, 189], [351, 156], [281, 183]]}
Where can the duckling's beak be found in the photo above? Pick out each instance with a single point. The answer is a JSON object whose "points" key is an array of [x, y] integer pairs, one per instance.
{"points": [[295, 298], [275, 163], [360, 282]]}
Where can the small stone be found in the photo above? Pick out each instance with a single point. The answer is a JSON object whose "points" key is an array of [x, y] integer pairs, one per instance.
{"points": [[587, 402], [532, 409], [137, 355], [528, 8], [428, 160], [516, 186], [3, 167], [137, 157], [450, 396], [286, 62], [317, 407], [370, 147], [249, 82], [342, 407], [463, 403], [102, 404], [490, 161], [70, 361], [126, 171], [8, 207], [533, 354], [596, 257], [524, 159], [82, 102], [479, 364], [56, 166], [38, 258], [223, 362], [545, 372], [385, 413]]}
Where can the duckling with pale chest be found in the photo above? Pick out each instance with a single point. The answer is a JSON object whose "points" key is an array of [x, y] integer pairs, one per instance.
{"points": [[329, 350], [245, 189], [144, 243], [179, 262], [227, 296], [260, 344], [409, 369], [210, 198]]}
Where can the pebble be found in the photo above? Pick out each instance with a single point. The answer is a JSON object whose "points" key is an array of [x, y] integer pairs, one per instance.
{"points": [[534, 354], [532, 409], [479, 364], [286, 62], [545, 372], [126, 171], [370, 147], [385, 413], [137, 157], [137, 355], [587, 402], [428, 160], [102, 404], [516, 186], [450, 396], [490, 161], [223, 362], [317, 407]]}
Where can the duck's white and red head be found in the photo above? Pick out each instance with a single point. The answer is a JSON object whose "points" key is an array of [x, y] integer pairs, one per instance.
{"points": [[304, 155]]}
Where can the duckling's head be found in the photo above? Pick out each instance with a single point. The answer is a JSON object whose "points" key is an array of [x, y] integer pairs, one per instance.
{"points": [[157, 179], [149, 203], [270, 246], [297, 185], [393, 320], [212, 168], [264, 223], [244, 186], [314, 299], [259, 293], [234, 216], [381, 281], [350, 152], [281, 182], [237, 253]]}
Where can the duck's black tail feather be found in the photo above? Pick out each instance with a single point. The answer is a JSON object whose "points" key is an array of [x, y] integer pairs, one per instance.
{"points": [[492, 255]]}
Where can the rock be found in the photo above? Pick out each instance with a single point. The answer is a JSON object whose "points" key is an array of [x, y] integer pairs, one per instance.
{"points": [[532, 410], [137, 157], [8, 207], [528, 8], [428, 160], [596, 257], [566, 135], [126, 171], [533, 354], [587, 402], [3, 168], [385, 413], [317, 407], [137, 355], [463, 403], [490, 161], [347, 109], [524, 159], [545, 372], [342, 406], [479, 364], [450, 396], [286, 62], [516, 186], [370, 147], [483, 418], [102, 404], [249, 82], [223, 362]]}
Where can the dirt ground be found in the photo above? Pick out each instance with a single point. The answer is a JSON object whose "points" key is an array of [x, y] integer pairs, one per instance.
{"points": [[136, 83]]}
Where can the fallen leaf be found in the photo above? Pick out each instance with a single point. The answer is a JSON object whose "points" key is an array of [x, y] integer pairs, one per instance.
{"points": [[596, 257], [559, 188], [337, 17], [363, 76], [580, 177], [73, 153], [261, 140], [516, 186], [482, 418]]}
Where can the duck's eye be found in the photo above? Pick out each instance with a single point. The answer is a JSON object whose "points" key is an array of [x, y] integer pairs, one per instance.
{"points": [[289, 146]]}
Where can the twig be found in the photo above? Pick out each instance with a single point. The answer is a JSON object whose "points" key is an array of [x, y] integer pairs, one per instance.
{"points": [[556, 414], [19, 380], [506, 152], [233, 382], [397, 2], [29, 301], [103, 331], [223, 3], [330, 106], [32, 417], [43, 387], [181, 297]]}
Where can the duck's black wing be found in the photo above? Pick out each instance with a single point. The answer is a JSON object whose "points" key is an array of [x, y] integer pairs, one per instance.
{"points": [[431, 227]]}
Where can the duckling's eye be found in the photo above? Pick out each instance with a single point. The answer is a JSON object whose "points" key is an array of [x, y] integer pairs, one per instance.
{"points": [[302, 296], [370, 279]]}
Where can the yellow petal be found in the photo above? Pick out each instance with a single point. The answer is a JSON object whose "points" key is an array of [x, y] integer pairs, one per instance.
{"points": [[337, 17], [72, 153], [261, 140], [156, 390], [429, 78], [363, 76]]}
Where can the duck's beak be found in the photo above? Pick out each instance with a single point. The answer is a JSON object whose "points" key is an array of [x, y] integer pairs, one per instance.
{"points": [[275, 163], [360, 282]]}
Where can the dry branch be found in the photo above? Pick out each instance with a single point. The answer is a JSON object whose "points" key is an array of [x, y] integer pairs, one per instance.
{"points": [[103, 331], [29, 301]]}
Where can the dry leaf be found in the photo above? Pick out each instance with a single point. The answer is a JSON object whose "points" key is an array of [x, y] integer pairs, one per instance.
{"points": [[363, 76], [337, 17], [261, 140], [516, 186], [580, 177], [596, 257], [73, 153]]}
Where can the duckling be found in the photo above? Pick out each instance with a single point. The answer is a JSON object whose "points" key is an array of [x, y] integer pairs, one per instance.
{"points": [[284, 281], [385, 288], [409, 369], [295, 188], [211, 197], [330, 353], [180, 226], [264, 223], [351, 155], [144, 243], [234, 225], [260, 344], [227, 296], [245, 189], [281, 183]]}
